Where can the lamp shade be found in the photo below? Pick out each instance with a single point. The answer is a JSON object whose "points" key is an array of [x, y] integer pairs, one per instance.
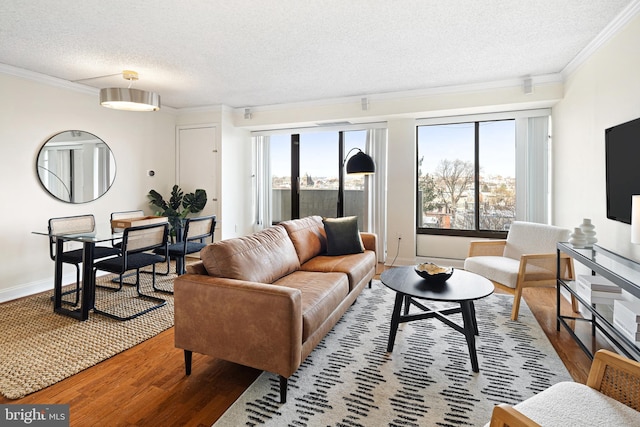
{"points": [[635, 219], [129, 99], [360, 163]]}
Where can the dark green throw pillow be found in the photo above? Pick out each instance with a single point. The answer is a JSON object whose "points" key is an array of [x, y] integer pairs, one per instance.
{"points": [[343, 236]]}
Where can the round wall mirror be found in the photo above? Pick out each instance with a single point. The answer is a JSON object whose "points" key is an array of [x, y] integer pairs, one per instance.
{"points": [[76, 166]]}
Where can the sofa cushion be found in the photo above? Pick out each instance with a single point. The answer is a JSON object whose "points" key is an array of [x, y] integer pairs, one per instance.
{"points": [[355, 266], [308, 236], [263, 257], [322, 293], [343, 236]]}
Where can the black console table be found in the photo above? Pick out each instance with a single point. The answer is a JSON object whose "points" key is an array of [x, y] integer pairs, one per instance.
{"points": [[596, 259]]}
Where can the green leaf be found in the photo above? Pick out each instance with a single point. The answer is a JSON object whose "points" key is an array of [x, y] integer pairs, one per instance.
{"points": [[196, 201], [176, 198], [157, 200]]}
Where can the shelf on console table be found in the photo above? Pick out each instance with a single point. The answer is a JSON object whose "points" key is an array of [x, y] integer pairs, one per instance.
{"points": [[594, 259]]}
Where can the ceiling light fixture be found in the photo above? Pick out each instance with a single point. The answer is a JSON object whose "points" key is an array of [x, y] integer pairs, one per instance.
{"points": [[129, 99]]}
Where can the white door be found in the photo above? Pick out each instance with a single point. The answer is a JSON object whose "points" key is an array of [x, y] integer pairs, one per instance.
{"points": [[198, 164]]}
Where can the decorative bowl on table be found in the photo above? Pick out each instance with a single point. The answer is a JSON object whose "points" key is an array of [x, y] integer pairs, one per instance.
{"points": [[433, 273]]}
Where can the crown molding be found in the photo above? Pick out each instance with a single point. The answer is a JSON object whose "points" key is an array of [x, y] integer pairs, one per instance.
{"points": [[610, 31], [417, 93], [48, 80]]}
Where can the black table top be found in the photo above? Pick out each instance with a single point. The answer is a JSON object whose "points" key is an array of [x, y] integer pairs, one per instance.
{"points": [[461, 286]]}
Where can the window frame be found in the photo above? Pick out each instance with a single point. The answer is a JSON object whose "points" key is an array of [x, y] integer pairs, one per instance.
{"points": [[339, 130], [476, 119]]}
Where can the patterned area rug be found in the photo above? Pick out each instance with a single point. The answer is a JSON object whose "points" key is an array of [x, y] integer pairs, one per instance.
{"points": [[350, 379], [38, 348]]}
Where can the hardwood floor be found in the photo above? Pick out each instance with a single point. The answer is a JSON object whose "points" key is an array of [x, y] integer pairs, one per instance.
{"points": [[146, 385]]}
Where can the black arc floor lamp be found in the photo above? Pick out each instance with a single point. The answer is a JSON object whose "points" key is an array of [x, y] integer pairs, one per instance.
{"points": [[359, 164]]}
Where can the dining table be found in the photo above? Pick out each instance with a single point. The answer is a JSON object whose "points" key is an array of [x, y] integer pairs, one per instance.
{"points": [[101, 234]]}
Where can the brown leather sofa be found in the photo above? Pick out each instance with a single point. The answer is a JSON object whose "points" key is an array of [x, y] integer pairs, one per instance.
{"points": [[267, 299]]}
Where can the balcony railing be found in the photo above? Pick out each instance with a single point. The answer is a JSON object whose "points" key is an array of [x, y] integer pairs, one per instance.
{"points": [[323, 202]]}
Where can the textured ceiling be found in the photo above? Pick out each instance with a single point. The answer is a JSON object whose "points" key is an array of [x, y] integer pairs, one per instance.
{"points": [[247, 53]]}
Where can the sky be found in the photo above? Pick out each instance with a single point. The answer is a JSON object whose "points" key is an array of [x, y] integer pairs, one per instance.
{"points": [[319, 152], [456, 141]]}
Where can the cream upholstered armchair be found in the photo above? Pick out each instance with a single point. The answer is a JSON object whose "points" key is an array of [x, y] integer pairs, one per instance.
{"points": [[611, 397], [526, 258]]}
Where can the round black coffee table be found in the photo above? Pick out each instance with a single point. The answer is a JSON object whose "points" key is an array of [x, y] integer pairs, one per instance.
{"points": [[462, 287]]}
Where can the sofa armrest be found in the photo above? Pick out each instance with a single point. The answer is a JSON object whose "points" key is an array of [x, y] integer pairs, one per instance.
{"points": [[370, 241], [253, 324], [197, 268], [507, 416], [486, 248]]}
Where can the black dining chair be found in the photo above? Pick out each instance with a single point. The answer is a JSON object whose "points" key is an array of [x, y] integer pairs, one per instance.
{"points": [[137, 251], [194, 237], [79, 224], [123, 215], [115, 216]]}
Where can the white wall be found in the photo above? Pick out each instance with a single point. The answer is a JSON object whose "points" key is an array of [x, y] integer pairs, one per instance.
{"points": [[234, 206], [603, 92], [401, 191], [30, 113], [237, 208]]}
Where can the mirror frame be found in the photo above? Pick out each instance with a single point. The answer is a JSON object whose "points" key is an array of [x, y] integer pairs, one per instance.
{"points": [[75, 153]]}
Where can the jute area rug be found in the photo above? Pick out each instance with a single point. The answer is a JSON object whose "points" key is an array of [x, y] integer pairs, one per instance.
{"points": [[351, 380], [38, 348]]}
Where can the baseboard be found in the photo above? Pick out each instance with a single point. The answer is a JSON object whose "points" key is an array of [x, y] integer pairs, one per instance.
{"points": [[397, 262], [28, 289], [456, 263]]}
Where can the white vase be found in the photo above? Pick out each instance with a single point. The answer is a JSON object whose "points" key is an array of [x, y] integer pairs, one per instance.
{"points": [[578, 239], [589, 231]]}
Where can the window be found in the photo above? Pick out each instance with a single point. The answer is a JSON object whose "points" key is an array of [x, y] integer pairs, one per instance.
{"points": [[466, 177], [305, 174], [280, 157], [280, 146]]}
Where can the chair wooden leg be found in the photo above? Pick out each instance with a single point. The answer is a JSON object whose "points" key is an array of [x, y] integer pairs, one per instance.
{"points": [[574, 304], [516, 303]]}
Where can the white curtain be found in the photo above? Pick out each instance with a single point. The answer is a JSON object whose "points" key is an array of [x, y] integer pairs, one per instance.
{"points": [[262, 182], [532, 169], [376, 189]]}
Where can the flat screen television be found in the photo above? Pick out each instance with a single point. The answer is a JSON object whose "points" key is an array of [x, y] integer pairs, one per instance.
{"points": [[622, 157]]}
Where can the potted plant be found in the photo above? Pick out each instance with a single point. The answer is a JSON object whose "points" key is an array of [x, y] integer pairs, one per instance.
{"points": [[178, 206]]}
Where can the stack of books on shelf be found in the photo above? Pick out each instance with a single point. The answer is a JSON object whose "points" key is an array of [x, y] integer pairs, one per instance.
{"points": [[597, 289], [626, 318]]}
